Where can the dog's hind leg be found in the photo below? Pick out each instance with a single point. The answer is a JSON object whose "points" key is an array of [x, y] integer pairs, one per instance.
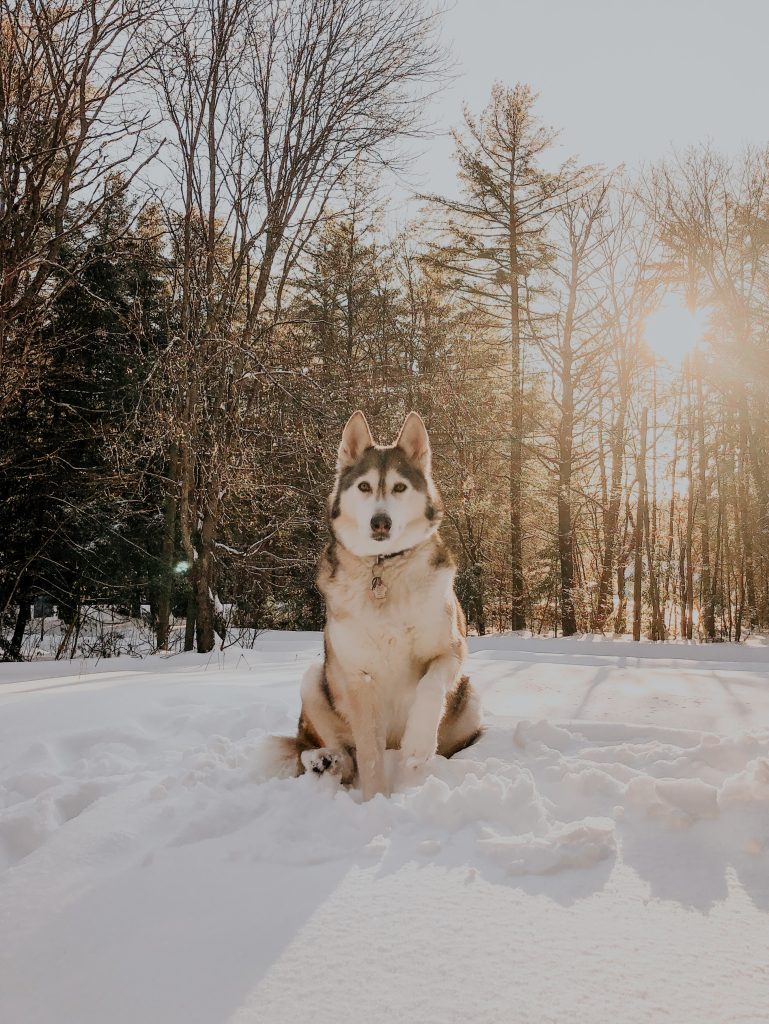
{"points": [[323, 738], [461, 724]]}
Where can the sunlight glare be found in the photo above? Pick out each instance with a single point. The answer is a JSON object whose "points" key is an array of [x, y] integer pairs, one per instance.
{"points": [[672, 330]]}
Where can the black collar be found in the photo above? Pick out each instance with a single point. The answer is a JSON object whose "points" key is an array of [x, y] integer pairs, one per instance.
{"points": [[395, 554]]}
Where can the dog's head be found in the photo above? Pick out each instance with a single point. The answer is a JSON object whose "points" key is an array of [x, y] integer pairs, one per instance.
{"points": [[384, 499]]}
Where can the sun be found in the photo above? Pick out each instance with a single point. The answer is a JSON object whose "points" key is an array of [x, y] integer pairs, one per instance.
{"points": [[673, 330]]}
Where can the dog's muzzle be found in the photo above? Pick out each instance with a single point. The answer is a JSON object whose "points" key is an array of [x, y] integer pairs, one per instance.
{"points": [[381, 524]]}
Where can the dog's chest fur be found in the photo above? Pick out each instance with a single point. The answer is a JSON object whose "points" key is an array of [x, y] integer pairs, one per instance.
{"points": [[391, 639]]}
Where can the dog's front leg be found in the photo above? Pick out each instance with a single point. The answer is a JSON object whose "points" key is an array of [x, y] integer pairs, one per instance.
{"points": [[420, 738], [370, 735]]}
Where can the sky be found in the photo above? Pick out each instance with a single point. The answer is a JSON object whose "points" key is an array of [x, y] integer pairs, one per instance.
{"points": [[624, 81]]}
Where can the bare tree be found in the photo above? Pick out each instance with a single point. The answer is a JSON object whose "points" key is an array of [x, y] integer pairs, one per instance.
{"points": [[570, 344], [711, 215], [270, 104], [67, 126], [631, 284]]}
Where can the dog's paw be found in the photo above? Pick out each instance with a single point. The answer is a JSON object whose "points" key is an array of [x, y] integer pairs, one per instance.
{"points": [[325, 761], [415, 757]]}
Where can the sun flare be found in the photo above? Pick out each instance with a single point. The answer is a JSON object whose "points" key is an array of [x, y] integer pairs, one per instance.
{"points": [[673, 330]]}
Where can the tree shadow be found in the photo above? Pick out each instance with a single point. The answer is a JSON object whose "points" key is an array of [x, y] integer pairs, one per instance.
{"points": [[691, 866]]}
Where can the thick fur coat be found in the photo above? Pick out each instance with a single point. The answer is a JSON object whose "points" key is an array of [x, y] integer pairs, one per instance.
{"points": [[391, 677]]}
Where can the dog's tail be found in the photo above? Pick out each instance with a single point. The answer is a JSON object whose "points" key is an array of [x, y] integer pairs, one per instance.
{"points": [[278, 757]]}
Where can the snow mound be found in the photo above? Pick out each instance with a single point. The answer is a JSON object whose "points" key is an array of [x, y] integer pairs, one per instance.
{"points": [[534, 798]]}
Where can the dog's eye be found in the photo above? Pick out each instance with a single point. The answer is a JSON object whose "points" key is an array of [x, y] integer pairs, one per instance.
{"points": [[364, 486], [399, 488]]}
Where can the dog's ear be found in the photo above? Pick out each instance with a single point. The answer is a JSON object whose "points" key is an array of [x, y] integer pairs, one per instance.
{"points": [[356, 438], [414, 441]]}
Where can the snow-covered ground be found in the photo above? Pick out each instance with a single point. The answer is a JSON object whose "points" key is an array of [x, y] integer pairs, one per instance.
{"points": [[602, 855]]}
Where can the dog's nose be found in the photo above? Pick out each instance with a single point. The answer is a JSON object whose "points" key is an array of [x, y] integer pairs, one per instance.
{"points": [[380, 525]]}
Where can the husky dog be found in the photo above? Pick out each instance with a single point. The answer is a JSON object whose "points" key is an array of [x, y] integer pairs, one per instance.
{"points": [[395, 632]]}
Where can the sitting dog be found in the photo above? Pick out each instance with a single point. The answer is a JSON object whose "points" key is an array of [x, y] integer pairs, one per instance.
{"points": [[395, 632]]}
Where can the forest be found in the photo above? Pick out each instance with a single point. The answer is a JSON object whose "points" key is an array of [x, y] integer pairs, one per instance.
{"points": [[201, 278]]}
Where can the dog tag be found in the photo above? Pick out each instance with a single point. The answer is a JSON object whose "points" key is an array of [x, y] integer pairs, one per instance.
{"points": [[378, 588]]}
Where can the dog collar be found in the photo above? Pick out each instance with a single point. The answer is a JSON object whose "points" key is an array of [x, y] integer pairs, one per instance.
{"points": [[394, 554]]}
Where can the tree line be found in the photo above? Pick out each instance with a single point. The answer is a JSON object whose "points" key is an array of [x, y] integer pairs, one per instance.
{"points": [[198, 285]]}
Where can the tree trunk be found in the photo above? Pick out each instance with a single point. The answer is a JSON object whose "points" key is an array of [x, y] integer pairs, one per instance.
{"points": [[517, 612], [167, 552], [620, 617], [683, 588], [745, 519], [202, 579], [611, 518], [565, 453], [657, 623], [708, 600], [639, 530], [668, 596], [690, 514], [13, 650], [189, 623]]}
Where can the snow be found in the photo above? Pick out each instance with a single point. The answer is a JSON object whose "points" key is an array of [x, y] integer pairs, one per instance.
{"points": [[602, 854]]}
